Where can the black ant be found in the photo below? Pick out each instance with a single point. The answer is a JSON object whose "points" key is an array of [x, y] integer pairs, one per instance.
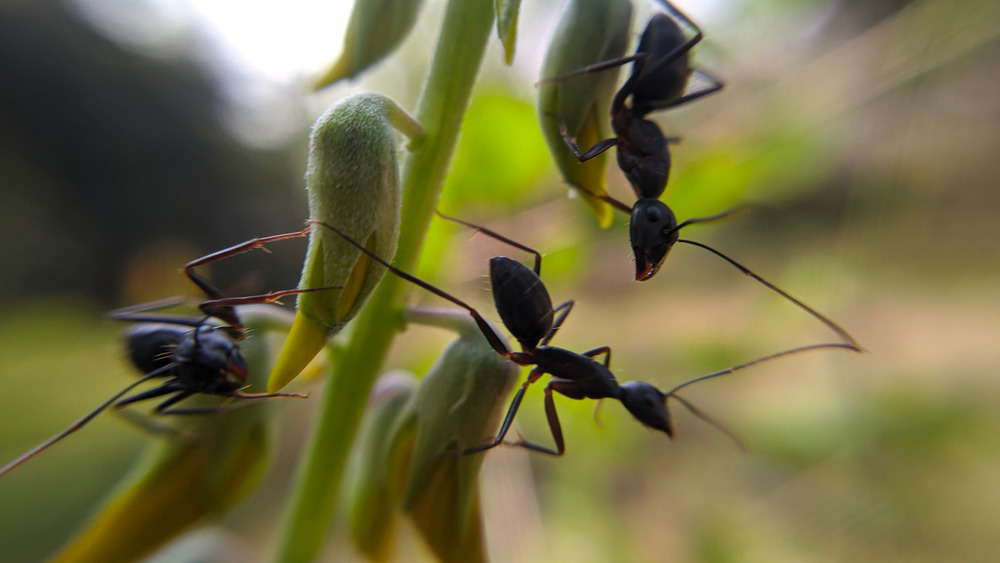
{"points": [[526, 310], [659, 80], [660, 75], [190, 355]]}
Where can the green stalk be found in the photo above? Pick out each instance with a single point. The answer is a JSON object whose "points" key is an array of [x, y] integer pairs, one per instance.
{"points": [[466, 29]]}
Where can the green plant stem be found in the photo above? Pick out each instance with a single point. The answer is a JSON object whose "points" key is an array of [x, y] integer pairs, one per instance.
{"points": [[466, 29]]}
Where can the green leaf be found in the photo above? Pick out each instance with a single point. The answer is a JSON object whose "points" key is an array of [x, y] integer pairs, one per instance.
{"points": [[588, 32], [507, 11], [375, 29]]}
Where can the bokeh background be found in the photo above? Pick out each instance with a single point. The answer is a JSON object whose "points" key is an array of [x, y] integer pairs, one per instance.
{"points": [[135, 136]]}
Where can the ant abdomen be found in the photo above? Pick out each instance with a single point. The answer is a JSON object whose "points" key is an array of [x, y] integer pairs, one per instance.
{"points": [[521, 300]]}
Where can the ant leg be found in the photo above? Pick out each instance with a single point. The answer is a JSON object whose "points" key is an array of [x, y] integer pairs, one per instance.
{"points": [[240, 248], [851, 343], [133, 312], [239, 395], [495, 340], [182, 393], [680, 16], [626, 90], [565, 307], [620, 206], [499, 237], [508, 419], [598, 147], [212, 307], [714, 86], [679, 51], [76, 425], [592, 68], [165, 389], [219, 304], [606, 350], [553, 418]]}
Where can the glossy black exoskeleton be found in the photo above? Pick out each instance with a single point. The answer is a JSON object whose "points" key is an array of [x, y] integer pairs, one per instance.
{"points": [[661, 73], [659, 80], [524, 306], [189, 356]]}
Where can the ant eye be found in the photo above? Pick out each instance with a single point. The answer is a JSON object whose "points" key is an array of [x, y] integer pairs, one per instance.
{"points": [[653, 215]]}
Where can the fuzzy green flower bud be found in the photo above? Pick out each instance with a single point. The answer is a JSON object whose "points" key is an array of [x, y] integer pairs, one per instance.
{"points": [[411, 453], [457, 406], [372, 510], [353, 182], [376, 28], [173, 487], [588, 32]]}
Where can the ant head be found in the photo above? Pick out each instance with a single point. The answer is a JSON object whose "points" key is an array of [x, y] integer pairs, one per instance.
{"points": [[209, 360], [648, 405], [653, 229]]}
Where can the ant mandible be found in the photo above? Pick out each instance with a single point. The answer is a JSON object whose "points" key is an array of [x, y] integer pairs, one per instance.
{"points": [[190, 355], [525, 308]]}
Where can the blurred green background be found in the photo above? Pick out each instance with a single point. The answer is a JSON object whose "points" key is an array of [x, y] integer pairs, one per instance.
{"points": [[863, 135]]}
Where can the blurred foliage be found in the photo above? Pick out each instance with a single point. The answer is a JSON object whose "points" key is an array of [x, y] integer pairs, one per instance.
{"points": [[194, 466], [407, 459], [865, 132], [44, 392], [374, 31], [107, 153]]}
